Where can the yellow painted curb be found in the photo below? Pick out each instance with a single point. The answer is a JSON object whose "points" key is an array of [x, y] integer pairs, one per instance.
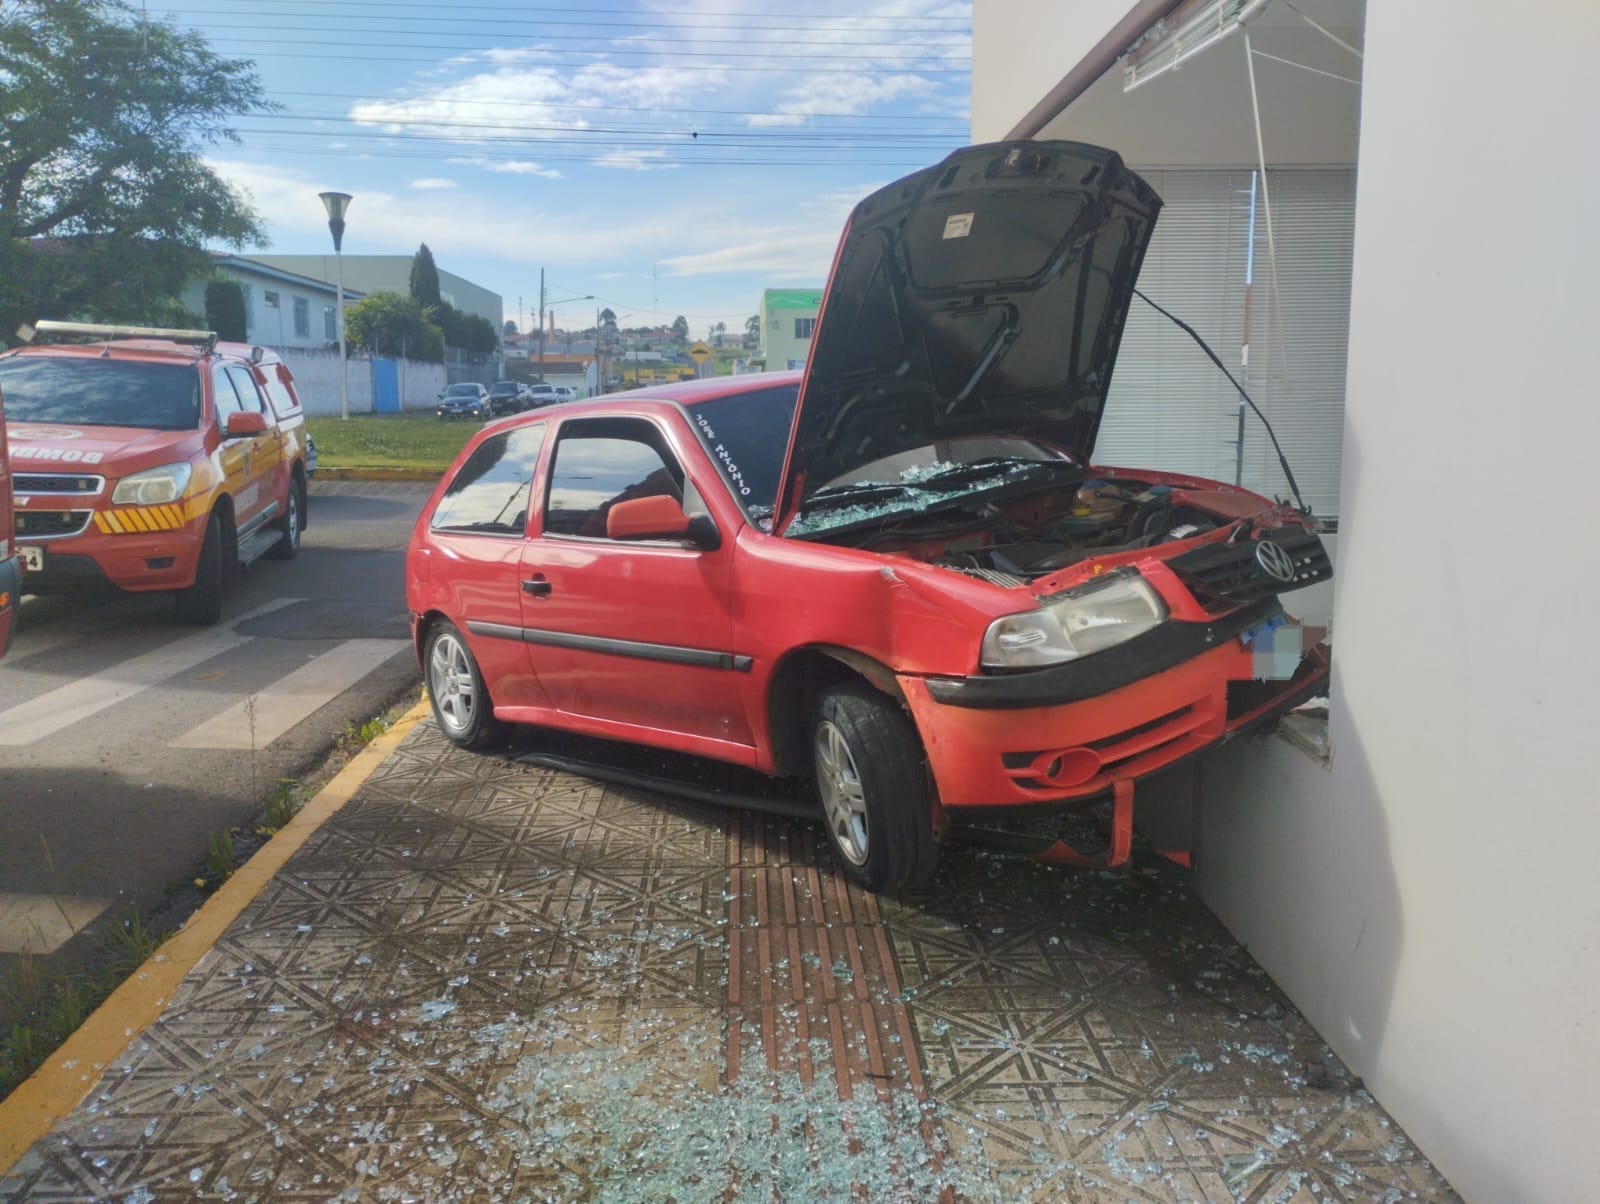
{"points": [[70, 1073]]}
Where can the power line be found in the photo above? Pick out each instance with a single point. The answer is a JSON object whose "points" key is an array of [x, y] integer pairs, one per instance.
{"points": [[778, 135], [564, 105], [436, 61], [605, 55], [898, 21], [595, 156], [959, 43]]}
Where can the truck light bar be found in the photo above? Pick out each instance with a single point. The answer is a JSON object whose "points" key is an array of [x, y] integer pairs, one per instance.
{"points": [[94, 332]]}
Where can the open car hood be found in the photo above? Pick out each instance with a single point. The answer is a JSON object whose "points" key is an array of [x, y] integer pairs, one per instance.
{"points": [[984, 295]]}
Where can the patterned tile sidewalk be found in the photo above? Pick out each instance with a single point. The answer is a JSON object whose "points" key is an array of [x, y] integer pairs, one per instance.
{"points": [[486, 980]]}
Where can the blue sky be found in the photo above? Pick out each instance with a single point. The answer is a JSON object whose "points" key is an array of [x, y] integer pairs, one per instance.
{"points": [[667, 156]]}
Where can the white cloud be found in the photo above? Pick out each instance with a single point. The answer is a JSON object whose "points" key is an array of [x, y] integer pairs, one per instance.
{"points": [[433, 184], [635, 160], [540, 103], [511, 167], [792, 252]]}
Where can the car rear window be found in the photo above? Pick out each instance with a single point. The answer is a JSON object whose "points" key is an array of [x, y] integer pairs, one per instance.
{"points": [[747, 436], [79, 391]]}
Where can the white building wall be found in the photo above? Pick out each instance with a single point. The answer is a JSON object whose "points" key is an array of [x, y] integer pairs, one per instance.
{"points": [[1430, 901], [316, 379]]}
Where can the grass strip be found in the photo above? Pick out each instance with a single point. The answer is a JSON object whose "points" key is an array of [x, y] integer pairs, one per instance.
{"points": [[415, 441]]}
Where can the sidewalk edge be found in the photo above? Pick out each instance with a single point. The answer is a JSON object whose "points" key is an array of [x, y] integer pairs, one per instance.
{"points": [[72, 1071]]}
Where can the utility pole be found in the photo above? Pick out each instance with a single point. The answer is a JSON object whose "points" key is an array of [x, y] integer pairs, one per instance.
{"points": [[541, 326]]}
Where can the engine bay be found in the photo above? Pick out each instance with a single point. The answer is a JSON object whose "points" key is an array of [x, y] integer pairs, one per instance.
{"points": [[1012, 544]]}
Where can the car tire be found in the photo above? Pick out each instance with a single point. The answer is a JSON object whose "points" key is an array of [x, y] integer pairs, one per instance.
{"points": [[456, 690], [872, 782], [200, 605], [292, 522]]}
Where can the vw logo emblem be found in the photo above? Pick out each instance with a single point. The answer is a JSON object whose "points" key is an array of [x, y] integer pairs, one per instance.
{"points": [[1274, 561]]}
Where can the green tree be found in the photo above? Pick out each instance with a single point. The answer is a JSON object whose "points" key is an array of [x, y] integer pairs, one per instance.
{"points": [[680, 329], [393, 324], [106, 200], [225, 310], [752, 331], [425, 277]]}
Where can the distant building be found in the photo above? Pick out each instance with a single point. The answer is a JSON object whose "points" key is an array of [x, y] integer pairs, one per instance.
{"points": [[281, 308], [392, 273], [788, 317]]}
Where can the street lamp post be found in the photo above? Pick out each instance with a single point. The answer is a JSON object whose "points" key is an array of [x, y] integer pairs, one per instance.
{"points": [[336, 203]]}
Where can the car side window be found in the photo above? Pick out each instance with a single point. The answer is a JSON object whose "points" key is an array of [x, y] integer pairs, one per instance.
{"points": [[490, 492], [223, 396], [245, 386], [603, 461]]}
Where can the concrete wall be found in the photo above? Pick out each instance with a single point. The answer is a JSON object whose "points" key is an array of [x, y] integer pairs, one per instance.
{"points": [[1430, 900], [316, 378]]}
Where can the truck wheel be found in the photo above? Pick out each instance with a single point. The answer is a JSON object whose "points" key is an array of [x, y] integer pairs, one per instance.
{"points": [[201, 604], [873, 787], [294, 509], [456, 691]]}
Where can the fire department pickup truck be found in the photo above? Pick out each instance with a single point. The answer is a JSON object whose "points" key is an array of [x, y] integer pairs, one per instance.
{"points": [[151, 459]]}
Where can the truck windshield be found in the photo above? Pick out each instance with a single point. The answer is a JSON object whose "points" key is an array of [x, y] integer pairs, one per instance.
{"points": [[79, 391]]}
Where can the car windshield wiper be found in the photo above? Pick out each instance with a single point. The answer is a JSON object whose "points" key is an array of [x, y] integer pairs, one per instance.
{"points": [[854, 495], [960, 474]]}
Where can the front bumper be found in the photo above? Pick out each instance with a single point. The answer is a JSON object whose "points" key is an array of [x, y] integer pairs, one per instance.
{"points": [[137, 561], [1078, 744]]}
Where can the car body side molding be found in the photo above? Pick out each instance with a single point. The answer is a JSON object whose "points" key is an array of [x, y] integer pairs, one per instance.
{"points": [[703, 657]]}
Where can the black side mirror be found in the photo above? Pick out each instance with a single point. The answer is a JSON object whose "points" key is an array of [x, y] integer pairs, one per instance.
{"points": [[703, 533]]}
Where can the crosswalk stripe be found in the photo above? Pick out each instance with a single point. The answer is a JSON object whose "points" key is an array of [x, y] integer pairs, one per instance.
{"points": [[62, 707], [43, 923], [291, 698]]}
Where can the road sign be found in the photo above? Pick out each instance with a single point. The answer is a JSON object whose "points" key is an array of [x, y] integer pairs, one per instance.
{"points": [[699, 353]]}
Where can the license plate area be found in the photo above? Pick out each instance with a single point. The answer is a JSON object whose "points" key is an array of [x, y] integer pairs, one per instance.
{"points": [[32, 558], [1276, 647]]}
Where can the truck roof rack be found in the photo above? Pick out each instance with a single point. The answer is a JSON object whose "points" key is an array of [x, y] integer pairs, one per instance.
{"points": [[93, 332]]}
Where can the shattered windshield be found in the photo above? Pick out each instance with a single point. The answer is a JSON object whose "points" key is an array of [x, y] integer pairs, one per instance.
{"points": [[80, 391], [746, 437], [936, 476]]}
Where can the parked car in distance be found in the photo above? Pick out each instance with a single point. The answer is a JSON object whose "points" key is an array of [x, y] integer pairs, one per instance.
{"points": [[566, 393], [543, 395], [467, 400], [151, 459], [10, 565], [507, 397], [900, 574]]}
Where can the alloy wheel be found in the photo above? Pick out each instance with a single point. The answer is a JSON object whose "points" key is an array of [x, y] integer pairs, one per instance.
{"points": [[450, 682], [844, 800]]}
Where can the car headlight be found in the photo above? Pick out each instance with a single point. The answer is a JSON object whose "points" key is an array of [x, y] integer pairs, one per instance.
{"points": [[1089, 618], [152, 486]]}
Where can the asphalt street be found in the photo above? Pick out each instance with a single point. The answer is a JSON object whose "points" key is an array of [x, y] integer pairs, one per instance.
{"points": [[127, 740]]}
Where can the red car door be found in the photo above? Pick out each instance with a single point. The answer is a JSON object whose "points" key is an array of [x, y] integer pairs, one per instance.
{"points": [[472, 563], [632, 631]]}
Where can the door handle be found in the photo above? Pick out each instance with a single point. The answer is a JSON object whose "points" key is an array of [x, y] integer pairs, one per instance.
{"points": [[538, 587]]}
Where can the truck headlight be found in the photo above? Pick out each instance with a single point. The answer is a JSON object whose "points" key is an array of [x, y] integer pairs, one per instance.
{"points": [[1078, 622], [153, 486]]}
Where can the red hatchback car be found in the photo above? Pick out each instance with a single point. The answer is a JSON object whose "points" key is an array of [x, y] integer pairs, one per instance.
{"points": [[899, 576]]}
